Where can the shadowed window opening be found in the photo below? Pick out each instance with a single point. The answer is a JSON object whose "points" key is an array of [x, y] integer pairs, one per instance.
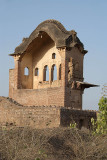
{"points": [[46, 73], [60, 72], [53, 56], [26, 71], [81, 123], [53, 73], [36, 71]]}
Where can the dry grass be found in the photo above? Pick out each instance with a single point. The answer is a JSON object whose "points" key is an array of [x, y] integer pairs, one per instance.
{"points": [[51, 144]]}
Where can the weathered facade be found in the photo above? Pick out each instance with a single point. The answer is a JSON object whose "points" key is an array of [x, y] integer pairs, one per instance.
{"points": [[49, 49], [14, 114]]}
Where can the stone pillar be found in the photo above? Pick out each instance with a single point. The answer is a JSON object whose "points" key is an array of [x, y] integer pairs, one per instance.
{"points": [[57, 66], [62, 52], [17, 72], [64, 71], [50, 75]]}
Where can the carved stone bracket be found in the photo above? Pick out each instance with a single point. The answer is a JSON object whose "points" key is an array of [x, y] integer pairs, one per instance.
{"points": [[74, 85], [17, 57]]}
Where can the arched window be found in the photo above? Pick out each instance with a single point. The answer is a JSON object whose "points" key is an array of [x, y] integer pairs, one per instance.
{"points": [[53, 73], [60, 72], [46, 73], [36, 71], [26, 71], [53, 56]]}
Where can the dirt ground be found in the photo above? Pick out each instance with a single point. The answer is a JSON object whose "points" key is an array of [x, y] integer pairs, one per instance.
{"points": [[51, 144]]}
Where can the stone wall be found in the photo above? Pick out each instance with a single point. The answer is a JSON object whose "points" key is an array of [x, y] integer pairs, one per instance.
{"points": [[39, 97], [81, 117], [11, 82], [14, 114]]}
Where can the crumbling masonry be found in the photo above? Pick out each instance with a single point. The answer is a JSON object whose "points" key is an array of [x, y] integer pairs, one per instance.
{"points": [[49, 69]]}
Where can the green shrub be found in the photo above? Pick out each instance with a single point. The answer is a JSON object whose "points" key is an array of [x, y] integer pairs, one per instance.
{"points": [[100, 125]]}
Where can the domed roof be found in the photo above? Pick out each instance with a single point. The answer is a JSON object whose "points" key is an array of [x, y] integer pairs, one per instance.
{"points": [[56, 31]]}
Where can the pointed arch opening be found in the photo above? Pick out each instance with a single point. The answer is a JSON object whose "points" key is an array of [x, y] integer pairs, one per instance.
{"points": [[46, 73], [26, 71], [53, 73], [60, 72], [36, 72], [53, 56]]}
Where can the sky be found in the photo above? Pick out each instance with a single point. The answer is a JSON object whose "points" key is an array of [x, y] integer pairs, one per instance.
{"points": [[18, 18]]}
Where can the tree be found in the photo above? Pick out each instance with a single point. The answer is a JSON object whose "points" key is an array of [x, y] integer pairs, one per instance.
{"points": [[100, 125]]}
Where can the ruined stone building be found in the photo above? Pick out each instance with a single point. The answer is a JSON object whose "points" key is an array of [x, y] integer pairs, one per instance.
{"points": [[49, 72], [48, 50]]}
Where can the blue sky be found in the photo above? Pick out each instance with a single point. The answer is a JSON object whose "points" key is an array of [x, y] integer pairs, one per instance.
{"points": [[18, 18]]}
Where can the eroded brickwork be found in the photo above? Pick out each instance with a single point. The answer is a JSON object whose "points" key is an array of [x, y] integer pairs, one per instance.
{"points": [[12, 114], [46, 96], [15, 114], [82, 118], [36, 55]]}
